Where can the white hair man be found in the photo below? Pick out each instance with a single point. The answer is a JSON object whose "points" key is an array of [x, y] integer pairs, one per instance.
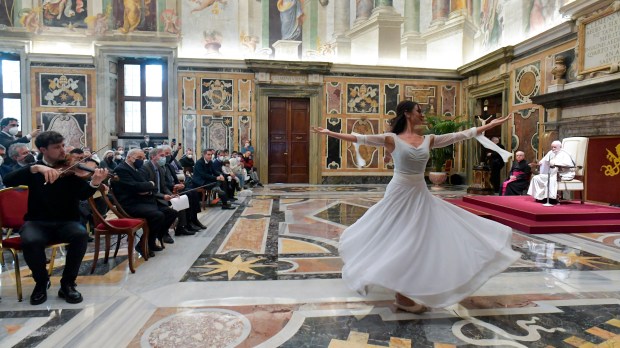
{"points": [[554, 161]]}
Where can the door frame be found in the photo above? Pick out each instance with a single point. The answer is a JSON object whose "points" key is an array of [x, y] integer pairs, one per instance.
{"points": [[263, 92]]}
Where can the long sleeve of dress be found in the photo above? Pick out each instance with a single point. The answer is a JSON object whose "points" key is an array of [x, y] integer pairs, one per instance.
{"points": [[451, 138], [371, 140]]}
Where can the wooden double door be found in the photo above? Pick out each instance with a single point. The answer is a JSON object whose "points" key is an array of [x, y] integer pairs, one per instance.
{"points": [[289, 131]]}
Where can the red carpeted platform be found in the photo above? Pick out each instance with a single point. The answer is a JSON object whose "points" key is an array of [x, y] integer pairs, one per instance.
{"points": [[524, 214]]}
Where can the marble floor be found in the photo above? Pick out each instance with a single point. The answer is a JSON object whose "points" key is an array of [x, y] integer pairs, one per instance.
{"points": [[268, 275]]}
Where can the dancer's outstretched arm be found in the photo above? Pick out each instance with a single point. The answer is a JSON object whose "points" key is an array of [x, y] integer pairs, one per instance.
{"points": [[347, 137], [494, 123]]}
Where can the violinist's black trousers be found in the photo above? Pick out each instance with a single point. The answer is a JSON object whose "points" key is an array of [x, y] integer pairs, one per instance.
{"points": [[36, 235]]}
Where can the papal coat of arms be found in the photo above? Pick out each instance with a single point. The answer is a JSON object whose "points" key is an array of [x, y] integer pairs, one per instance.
{"points": [[63, 90], [217, 94]]}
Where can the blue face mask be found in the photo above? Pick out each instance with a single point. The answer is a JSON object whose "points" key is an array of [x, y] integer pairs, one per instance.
{"points": [[138, 163], [161, 161]]}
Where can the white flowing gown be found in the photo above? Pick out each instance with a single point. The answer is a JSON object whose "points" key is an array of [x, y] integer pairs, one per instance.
{"points": [[419, 245]]}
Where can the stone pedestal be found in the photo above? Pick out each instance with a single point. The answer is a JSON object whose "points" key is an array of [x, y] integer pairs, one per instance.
{"points": [[287, 49], [375, 40], [341, 46], [413, 49], [450, 45], [482, 184]]}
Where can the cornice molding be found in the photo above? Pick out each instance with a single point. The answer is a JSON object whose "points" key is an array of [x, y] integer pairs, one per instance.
{"points": [[584, 95], [295, 67], [489, 61]]}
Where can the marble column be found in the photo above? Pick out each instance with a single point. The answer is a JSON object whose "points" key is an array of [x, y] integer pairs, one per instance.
{"points": [[441, 9], [341, 44], [413, 47]]}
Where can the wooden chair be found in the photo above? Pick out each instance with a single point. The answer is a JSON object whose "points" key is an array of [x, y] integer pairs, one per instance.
{"points": [[13, 207], [577, 148], [120, 226], [124, 214]]}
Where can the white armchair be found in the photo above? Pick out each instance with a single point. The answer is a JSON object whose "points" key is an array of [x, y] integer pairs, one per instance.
{"points": [[577, 147]]}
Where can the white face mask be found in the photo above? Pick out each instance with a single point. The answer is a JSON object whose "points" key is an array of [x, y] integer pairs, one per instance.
{"points": [[1, 160], [221, 158], [118, 157], [121, 152], [190, 155], [13, 130]]}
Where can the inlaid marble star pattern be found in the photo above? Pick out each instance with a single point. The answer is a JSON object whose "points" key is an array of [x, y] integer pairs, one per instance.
{"points": [[232, 268]]}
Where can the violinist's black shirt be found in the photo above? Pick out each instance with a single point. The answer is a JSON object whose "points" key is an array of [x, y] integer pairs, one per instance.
{"points": [[52, 202]]}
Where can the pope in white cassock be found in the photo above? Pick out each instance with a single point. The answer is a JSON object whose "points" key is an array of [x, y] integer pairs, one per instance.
{"points": [[548, 164]]}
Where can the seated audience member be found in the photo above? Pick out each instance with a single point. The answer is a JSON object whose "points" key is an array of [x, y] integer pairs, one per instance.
{"points": [[218, 164], [119, 155], [147, 143], [248, 164], [53, 215], [205, 175], [2, 154], [236, 166], [188, 217], [554, 161], [247, 146], [108, 161], [153, 170], [230, 175], [518, 178], [135, 194], [20, 156], [187, 161]]}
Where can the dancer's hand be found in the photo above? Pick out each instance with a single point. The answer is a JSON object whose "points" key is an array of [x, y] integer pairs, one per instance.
{"points": [[320, 130], [501, 120]]}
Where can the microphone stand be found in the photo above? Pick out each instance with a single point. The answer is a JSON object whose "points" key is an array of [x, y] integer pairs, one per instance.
{"points": [[547, 204]]}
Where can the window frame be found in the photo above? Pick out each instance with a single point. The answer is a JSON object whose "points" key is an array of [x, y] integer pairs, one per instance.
{"points": [[143, 99], [18, 95]]}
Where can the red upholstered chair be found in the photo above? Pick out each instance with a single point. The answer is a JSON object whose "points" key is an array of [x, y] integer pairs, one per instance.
{"points": [[13, 207], [122, 225]]}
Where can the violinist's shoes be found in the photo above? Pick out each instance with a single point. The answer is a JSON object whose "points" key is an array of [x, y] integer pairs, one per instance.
{"points": [[69, 293], [39, 294]]}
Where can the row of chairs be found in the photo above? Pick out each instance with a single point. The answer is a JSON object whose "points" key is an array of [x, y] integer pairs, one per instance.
{"points": [[13, 207]]}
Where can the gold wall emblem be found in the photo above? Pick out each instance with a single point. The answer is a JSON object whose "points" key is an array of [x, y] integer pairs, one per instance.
{"points": [[614, 168]]}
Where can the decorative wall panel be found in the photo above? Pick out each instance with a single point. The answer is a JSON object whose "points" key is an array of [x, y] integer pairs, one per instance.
{"points": [[63, 90], [525, 132], [189, 93], [526, 83], [392, 98], [72, 126], [369, 153], [424, 95], [334, 97], [189, 133], [245, 129], [245, 95], [217, 132], [362, 98], [448, 100], [217, 94], [334, 157]]}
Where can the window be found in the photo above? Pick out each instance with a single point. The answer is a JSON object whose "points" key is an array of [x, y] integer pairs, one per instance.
{"points": [[142, 103], [10, 96]]}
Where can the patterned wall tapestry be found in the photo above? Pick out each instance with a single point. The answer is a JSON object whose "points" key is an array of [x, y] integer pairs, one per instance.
{"points": [[526, 83], [72, 126], [362, 98], [217, 94], [217, 132], [63, 90]]}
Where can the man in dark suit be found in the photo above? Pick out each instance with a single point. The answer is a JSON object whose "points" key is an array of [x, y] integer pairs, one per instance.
{"points": [[9, 127], [205, 175], [147, 143], [153, 170], [135, 194]]}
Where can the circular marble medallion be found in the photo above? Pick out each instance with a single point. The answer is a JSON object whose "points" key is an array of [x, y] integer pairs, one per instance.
{"points": [[211, 327], [527, 83]]}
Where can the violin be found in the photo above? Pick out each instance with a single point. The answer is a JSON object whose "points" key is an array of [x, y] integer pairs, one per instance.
{"points": [[82, 168]]}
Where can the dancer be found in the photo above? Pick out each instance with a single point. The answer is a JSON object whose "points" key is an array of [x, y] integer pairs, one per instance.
{"points": [[431, 252]]}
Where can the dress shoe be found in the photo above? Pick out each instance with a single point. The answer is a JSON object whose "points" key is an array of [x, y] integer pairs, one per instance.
{"points": [[167, 239], [181, 231], [155, 248], [69, 293], [39, 294], [199, 224], [139, 250], [191, 228], [227, 207]]}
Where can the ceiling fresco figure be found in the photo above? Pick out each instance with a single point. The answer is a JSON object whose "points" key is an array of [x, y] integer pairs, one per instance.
{"points": [[291, 18]]}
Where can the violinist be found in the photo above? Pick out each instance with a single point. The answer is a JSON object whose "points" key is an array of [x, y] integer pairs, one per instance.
{"points": [[53, 215]]}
